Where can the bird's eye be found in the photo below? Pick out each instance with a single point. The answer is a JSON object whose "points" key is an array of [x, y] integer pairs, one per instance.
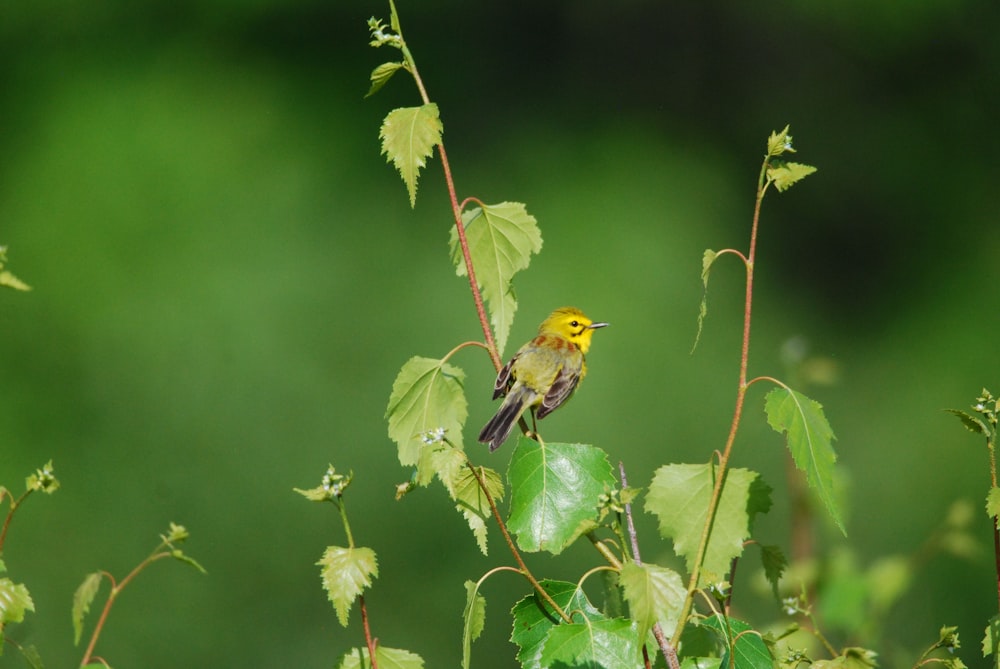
{"points": [[574, 323]]}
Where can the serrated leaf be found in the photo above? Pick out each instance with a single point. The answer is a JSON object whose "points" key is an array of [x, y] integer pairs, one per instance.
{"points": [[810, 441], [31, 656], [971, 423], [779, 142], [473, 504], [426, 395], [774, 563], [742, 643], [409, 135], [501, 239], [608, 644], [15, 601], [993, 503], [991, 639], [82, 599], [533, 618], [786, 175], [707, 259], [473, 620], [655, 595], [386, 658], [850, 658], [555, 490], [679, 497], [381, 75], [346, 572]]}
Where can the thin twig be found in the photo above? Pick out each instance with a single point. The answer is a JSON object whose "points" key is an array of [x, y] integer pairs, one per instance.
{"points": [[371, 642]]}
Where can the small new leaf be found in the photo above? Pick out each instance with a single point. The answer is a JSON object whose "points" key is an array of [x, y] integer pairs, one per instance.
{"points": [[993, 503], [473, 619], [426, 395], [785, 175], [82, 599], [381, 75], [501, 237], [991, 638], [346, 572], [15, 601], [409, 136], [810, 440], [8, 279], [473, 504], [706, 265], [43, 480], [972, 423], [779, 142]]}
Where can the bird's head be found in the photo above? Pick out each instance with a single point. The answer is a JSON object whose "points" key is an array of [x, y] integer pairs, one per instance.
{"points": [[572, 324]]}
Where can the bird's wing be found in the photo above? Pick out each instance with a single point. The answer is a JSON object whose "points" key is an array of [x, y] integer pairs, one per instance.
{"points": [[504, 379], [563, 386]]}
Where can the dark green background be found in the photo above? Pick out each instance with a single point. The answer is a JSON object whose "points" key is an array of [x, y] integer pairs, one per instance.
{"points": [[227, 277]]}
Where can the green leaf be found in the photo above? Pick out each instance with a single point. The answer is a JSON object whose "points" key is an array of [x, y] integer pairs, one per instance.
{"points": [[82, 599], [706, 266], [427, 395], [381, 75], [850, 658], [810, 440], [774, 562], [473, 619], [409, 135], [386, 658], [346, 572], [555, 491], [501, 239], [654, 594], [786, 175], [607, 644], [8, 279], [991, 639], [993, 503], [971, 423], [15, 601], [30, 655], [779, 142], [679, 497], [741, 642], [534, 618], [473, 503]]}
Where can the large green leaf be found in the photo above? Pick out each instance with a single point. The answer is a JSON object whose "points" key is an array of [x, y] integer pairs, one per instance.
{"points": [[534, 618], [409, 136], [679, 497], [604, 644], [427, 397], [346, 572], [654, 594], [501, 239], [554, 492], [810, 440]]}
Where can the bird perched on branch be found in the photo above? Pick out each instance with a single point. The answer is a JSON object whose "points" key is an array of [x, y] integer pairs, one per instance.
{"points": [[543, 374]]}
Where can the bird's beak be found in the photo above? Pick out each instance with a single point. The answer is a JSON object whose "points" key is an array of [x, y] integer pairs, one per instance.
{"points": [[594, 326]]}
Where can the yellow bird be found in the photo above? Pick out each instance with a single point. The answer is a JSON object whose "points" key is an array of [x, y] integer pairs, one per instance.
{"points": [[543, 373]]}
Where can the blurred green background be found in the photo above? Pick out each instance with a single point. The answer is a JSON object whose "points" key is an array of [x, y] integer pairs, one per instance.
{"points": [[227, 277]]}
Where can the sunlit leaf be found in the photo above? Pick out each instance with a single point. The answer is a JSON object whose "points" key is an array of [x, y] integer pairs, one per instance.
{"points": [[409, 136], [82, 599], [386, 658], [555, 490], [810, 440], [608, 644], [346, 572], [501, 237], [381, 75], [679, 497], [427, 396], [971, 423], [473, 619], [779, 142], [786, 175], [473, 503], [993, 503], [991, 639], [655, 595]]}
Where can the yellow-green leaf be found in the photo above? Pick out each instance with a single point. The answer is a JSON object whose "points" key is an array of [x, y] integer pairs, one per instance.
{"points": [[409, 136], [346, 572]]}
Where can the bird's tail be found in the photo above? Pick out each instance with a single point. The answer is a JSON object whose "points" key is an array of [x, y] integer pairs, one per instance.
{"points": [[496, 431]]}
